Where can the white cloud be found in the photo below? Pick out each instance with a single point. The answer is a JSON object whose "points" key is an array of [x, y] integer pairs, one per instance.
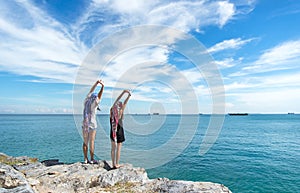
{"points": [[244, 6], [276, 93], [193, 75], [226, 11], [281, 57], [42, 50], [238, 86], [229, 44], [267, 101], [133, 6], [34, 43], [267, 82], [228, 62], [283, 80], [286, 52], [183, 15], [40, 41], [114, 56]]}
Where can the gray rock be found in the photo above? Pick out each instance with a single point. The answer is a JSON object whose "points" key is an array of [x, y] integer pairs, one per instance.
{"points": [[125, 174], [166, 185], [12, 180], [29, 176]]}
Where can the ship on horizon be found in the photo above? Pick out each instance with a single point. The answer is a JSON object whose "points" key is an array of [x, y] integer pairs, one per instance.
{"points": [[238, 114]]}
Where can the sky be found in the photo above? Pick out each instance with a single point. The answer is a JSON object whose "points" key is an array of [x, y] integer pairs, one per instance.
{"points": [[255, 45]]}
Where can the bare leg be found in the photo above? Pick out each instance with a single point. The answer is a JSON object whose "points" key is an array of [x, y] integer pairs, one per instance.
{"points": [[85, 144], [92, 136], [119, 146], [113, 153]]}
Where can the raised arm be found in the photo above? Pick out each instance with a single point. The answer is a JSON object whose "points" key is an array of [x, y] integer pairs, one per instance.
{"points": [[101, 90], [119, 97], [94, 86], [126, 100], [125, 103]]}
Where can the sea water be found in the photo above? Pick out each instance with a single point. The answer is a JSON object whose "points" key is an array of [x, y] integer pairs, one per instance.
{"points": [[254, 153]]}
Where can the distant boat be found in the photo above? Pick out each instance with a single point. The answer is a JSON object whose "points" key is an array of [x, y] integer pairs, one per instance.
{"points": [[291, 113], [155, 113], [238, 114]]}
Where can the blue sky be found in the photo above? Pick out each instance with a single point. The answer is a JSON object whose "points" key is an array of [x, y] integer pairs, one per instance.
{"points": [[254, 43]]}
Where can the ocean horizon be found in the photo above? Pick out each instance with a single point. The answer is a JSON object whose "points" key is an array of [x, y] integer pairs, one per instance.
{"points": [[280, 113], [253, 153]]}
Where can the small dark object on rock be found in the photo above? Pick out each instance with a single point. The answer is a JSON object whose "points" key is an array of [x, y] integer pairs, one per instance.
{"points": [[51, 162]]}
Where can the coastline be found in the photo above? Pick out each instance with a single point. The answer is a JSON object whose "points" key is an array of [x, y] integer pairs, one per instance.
{"points": [[25, 174]]}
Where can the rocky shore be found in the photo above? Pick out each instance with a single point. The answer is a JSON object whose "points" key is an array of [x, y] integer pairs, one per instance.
{"points": [[28, 175]]}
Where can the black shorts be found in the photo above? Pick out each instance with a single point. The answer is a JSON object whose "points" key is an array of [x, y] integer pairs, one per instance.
{"points": [[120, 133]]}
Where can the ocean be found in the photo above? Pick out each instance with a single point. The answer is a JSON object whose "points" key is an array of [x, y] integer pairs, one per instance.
{"points": [[254, 153]]}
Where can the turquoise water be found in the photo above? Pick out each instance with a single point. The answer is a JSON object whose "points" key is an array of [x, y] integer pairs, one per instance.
{"points": [[255, 153]]}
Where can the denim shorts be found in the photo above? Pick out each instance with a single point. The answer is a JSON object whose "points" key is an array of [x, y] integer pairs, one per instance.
{"points": [[90, 129]]}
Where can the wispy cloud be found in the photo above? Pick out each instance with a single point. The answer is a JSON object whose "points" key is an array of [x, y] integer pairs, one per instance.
{"points": [[105, 17], [51, 51], [266, 82], [285, 53], [264, 94], [229, 44], [244, 6], [228, 62], [184, 15], [267, 101], [43, 49], [289, 9], [34, 43], [281, 57]]}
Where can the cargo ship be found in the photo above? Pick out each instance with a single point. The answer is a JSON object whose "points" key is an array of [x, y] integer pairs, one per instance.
{"points": [[238, 114]]}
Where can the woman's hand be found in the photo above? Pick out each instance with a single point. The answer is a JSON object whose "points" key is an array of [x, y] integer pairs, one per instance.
{"points": [[100, 82], [128, 92]]}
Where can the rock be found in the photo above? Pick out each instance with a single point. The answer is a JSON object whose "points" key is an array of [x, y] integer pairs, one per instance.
{"points": [[28, 176], [125, 174], [12, 180], [166, 185]]}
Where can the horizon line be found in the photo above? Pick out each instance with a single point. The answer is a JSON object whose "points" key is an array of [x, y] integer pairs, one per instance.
{"points": [[256, 113]]}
